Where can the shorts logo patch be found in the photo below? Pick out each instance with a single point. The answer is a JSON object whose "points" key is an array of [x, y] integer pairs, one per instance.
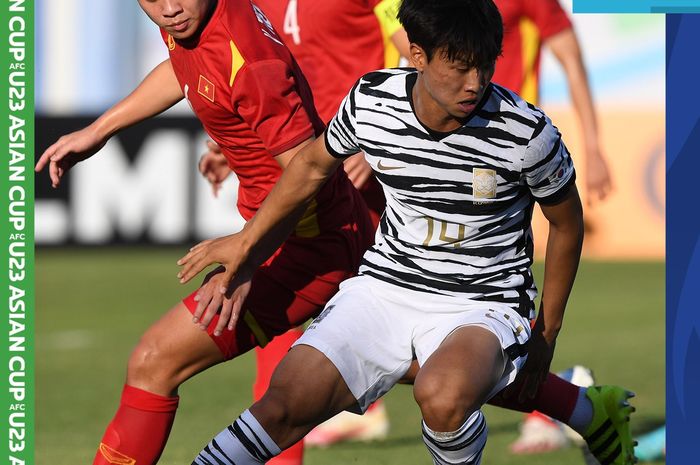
{"points": [[115, 457], [321, 316], [484, 183]]}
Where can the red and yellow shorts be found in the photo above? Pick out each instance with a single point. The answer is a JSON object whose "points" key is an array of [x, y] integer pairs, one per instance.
{"points": [[293, 286]]}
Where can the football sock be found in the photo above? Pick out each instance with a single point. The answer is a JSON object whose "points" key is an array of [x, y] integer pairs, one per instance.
{"points": [[244, 442], [139, 430], [582, 415], [267, 360], [555, 398], [463, 446]]}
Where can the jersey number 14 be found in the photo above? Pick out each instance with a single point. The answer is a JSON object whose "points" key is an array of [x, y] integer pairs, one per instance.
{"points": [[291, 23]]}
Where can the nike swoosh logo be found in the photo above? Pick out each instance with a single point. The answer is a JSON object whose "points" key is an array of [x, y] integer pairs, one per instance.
{"points": [[388, 168]]}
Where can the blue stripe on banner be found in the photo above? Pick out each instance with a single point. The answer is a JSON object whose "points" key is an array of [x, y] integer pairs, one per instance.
{"points": [[683, 233], [636, 6]]}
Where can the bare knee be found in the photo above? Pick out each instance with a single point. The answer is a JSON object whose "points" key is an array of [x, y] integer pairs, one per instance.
{"points": [[149, 368], [444, 406]]}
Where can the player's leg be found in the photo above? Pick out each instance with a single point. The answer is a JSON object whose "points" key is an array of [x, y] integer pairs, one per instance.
{"points": [[339, 363], [451, 387], [267, 359], [305, 389], [171, 351]]}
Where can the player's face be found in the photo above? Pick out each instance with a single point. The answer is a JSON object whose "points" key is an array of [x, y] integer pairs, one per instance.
{"points": [[180, 18], [452, 87]]}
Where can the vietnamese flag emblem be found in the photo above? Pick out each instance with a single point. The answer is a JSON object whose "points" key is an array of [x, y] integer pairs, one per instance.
{"points": [[206, 88]]}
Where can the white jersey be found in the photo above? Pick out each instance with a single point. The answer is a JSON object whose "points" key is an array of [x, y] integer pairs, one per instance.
{"points": [[459, 204]]}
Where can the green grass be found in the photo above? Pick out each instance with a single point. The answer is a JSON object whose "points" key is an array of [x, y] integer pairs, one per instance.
{"points": [[94, 304]]}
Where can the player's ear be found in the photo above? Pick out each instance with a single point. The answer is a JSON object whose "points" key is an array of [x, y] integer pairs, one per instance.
{"points": [[417, 56]]}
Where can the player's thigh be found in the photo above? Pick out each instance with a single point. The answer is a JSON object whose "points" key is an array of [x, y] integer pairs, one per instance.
{"points": [[472, 348], [308, 386], [171, 350], [463, 370], [365, 337]]}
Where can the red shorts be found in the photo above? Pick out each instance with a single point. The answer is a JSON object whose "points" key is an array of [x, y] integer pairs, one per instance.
{"points": [[294, 285]]}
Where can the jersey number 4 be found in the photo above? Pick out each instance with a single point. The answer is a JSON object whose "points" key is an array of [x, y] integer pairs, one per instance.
{"points": [[291, 23]]}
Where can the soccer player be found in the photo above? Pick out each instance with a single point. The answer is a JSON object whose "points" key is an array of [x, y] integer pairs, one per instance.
{"points": [[249, 94], [448, 280]]}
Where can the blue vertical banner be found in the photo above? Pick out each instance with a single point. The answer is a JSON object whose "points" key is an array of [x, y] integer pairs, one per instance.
{"points": [[683, 237], [682, 220]]}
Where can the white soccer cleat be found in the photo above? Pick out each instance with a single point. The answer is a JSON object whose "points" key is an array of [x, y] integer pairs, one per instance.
{"points": [[346, 426]]}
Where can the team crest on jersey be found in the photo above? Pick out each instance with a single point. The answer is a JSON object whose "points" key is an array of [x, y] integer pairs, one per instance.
{"points": [[484, 184], [206, 88], [171, 43]]}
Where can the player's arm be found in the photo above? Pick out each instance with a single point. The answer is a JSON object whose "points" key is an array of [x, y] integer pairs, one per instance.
{"points": [[157, 92], [242, 253], [565, 47], [305, 173], [561, 263]]}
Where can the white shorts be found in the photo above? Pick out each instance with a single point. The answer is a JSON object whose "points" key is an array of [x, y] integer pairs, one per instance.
{"points": [[372, 330]]}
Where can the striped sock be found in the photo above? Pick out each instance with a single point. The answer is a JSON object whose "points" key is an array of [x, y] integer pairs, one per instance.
{"points": [[244, 442], [463, 446]]}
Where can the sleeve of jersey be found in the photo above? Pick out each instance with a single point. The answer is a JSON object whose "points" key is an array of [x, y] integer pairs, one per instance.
{"points": [[548, 15], [548, 167], [386, 11], [265, 94], [341, 133]]}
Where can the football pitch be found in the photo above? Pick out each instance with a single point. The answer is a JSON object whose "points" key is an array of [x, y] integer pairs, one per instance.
{"points": [[93, 304]]}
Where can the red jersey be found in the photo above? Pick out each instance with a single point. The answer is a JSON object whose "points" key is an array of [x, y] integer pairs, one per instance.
{"points": [[526, 24], [335, 42], [254, 102]]}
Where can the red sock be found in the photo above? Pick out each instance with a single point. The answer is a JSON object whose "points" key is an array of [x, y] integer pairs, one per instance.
{"points": [[139, 430], [556, 398], [268, 359]]}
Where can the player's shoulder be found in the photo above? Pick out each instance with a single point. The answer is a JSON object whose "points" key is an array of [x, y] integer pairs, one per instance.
{"points": [[390, 82], [248, 30], [507, 106]]}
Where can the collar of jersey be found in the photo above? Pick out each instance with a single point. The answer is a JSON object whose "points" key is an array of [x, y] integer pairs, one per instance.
{"points": [[218, 10]]}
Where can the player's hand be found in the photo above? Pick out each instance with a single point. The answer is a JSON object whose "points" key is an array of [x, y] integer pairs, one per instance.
{"points": [[69, 150], [209, 300], [357, 169], [213, 166], [536, 369], [227, 251], [598, 180]]}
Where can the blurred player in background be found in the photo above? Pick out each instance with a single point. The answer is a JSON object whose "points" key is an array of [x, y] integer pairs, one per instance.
{"points": [[529, 25], [334, 42], [252, 99]]}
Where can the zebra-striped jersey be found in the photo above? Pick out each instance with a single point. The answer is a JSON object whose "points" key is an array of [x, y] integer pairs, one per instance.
{"points": [[459, 204]]}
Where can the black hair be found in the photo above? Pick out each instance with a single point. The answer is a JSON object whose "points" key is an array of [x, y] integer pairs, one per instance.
{"points": [[469, 31]]}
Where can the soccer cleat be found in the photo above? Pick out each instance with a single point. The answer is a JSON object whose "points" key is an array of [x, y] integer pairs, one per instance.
{"points": [[372, 426], [608, 437]]}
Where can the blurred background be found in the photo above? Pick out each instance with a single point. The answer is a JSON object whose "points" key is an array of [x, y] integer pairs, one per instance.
{"points": [[108, 238]]}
